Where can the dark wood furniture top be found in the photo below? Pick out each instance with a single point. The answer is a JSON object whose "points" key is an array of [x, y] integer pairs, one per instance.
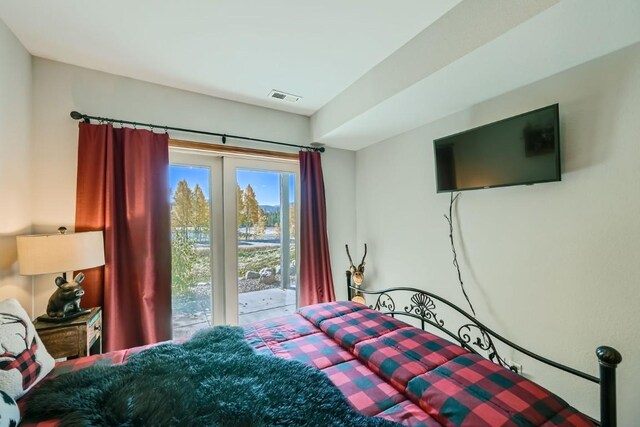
{"points": [[76, 337]]}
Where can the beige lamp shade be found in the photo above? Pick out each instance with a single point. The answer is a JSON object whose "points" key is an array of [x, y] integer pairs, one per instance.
{"points": [[59, 253]]}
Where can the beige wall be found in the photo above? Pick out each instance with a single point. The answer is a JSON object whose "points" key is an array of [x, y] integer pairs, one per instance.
{"points": [[338, 168], [15, 165], [553, 266], [60, 88]]}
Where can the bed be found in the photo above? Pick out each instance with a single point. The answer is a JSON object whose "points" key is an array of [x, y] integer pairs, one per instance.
{"points": [[391, 370]]}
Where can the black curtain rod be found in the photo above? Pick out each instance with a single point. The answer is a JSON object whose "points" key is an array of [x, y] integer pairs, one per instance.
{"points": [[79, 116]]}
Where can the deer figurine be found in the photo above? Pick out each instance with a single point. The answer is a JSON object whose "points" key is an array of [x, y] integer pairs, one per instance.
{"points": [[357, 273]]}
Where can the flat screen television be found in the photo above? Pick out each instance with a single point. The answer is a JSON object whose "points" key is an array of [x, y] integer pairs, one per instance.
{"points": [[523, 149]]}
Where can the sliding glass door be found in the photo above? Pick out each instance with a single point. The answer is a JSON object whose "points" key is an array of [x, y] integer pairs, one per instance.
{"points": [[233, 240], [196, 242], [261, 263]]}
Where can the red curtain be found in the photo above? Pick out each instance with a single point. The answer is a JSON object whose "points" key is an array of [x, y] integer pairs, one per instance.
{"points": [[316, 281], [123, 189]]}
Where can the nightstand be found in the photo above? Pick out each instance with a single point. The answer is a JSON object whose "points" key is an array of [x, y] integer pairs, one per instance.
{"points": [[72, 338]]}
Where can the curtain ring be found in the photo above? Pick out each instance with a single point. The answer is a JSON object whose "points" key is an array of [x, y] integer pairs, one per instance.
{"points": [[166, 129], [135, 125]]}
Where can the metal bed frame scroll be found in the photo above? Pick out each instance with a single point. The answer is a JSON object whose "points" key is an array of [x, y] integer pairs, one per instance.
{"points": [[477, 338]]}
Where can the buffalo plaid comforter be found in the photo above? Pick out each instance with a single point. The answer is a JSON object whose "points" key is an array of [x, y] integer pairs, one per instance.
{"points": [[389, 369]]}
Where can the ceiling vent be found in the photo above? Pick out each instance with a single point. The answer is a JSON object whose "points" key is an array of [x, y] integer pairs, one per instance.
{"points": [[283, 96]]}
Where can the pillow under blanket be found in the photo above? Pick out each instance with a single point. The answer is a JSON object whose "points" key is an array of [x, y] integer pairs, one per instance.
{"points": [[215, 379], [23, 359]]}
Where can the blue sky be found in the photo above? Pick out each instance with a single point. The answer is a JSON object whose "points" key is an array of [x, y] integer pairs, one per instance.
{"points": [[265, 184]]}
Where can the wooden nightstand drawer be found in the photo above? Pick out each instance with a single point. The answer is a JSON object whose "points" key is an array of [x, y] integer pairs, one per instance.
{"points": [[77, 337], [61, 342], [94, 330]]}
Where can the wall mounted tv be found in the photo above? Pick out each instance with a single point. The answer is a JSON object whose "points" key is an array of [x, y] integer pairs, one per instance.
{"points": [[523, 149]]}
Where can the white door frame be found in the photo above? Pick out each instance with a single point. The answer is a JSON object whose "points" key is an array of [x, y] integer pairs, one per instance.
{"points": [[216, 228], [230, 166], [223, 233]]}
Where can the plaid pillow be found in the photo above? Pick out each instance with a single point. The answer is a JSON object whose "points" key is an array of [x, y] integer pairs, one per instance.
{"points": [[316, 350], [23, 359], [352, 328], [318, 313], [472, 391], [272, 331], [405, 353]]}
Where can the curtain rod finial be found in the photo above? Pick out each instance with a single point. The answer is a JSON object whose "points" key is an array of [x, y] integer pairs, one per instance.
{"points": [[75, 115], [317, 146]]}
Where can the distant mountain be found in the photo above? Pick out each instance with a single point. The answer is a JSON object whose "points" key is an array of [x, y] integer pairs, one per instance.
{"points": [[269, 208]]}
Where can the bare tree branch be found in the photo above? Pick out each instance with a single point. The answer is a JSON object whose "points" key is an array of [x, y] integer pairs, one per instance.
{"points": [[453, 249]]}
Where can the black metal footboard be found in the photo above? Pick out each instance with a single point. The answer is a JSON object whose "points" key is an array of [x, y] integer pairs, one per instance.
{"points": [[477, 338]]}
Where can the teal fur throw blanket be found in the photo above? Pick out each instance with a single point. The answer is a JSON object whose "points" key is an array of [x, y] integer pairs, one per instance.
{"points": [[215, 379]]}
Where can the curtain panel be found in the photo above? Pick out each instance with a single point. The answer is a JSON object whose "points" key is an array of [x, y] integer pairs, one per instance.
{"points": [[122, 188], [316, 281]]}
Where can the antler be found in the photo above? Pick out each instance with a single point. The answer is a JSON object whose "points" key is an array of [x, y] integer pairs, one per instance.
{"points": [[349, 255], [25, 360], [17, 319], [361, 266]]}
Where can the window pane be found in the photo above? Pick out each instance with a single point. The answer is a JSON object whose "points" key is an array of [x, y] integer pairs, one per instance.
{"points": [[190, 249], [266, 244]]}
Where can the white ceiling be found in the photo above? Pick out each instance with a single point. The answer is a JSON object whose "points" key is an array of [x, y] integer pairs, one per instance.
{"points": [[493, 47], [367, 69], [232, 49]]}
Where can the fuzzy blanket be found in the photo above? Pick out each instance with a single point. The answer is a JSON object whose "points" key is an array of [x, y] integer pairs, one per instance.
{"points": [[215, 379]]}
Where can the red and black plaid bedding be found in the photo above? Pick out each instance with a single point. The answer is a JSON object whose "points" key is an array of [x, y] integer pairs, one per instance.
{"points": [[389, 369]]}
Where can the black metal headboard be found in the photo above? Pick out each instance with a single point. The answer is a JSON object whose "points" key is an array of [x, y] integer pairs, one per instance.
{"points": [[477, 338]]}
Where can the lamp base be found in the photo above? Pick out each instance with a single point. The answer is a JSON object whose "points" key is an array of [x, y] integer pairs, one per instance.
{"points": [[47, 318]]}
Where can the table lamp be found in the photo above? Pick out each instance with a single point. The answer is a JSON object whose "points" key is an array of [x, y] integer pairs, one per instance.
{"points": [[59, 253]]}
